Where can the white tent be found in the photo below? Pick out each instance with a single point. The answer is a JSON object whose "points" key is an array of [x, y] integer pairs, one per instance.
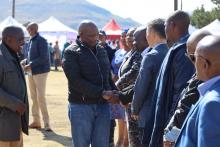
{"points": [[192, 29], [213, 27], [9, 21], [54, 30]]}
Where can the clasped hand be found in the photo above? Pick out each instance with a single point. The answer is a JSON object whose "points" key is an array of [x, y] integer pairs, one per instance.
{"points": [[111, 96]]}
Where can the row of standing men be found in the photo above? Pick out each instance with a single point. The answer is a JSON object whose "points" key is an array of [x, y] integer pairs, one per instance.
{"points": [[149, 83]]}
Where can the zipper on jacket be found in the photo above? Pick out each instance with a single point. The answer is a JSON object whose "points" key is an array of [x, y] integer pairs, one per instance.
{"points": [[98, 64]]}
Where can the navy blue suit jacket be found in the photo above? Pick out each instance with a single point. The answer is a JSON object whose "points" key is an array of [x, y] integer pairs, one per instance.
{"points": [[202, 125], [38, 55], [174, 73], [145, 83]]}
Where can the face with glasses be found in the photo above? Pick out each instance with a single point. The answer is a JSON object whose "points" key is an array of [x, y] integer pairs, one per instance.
{"points": [[202, 64], [193, 57]]}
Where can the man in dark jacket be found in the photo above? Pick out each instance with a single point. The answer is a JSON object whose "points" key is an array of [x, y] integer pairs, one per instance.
{"points": [[87, 68], [37, 65], [150, 65], [14, 114], [174, 73], [188, 97]]}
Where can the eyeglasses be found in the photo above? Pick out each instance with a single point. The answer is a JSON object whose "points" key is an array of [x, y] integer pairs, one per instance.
{"points": [[192, 57]]}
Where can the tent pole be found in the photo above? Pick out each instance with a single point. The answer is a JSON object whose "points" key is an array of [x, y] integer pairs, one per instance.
{"points": [[13, 8]]}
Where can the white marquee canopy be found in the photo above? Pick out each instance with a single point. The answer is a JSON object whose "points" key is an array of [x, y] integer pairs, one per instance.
{"points": [[54, 30], [9, 21], [213, 27]]}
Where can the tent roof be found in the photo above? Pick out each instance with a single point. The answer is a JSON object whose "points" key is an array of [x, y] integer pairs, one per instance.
{"points": [[9, 21], [112, 28], [54, 25], [213, 27]]}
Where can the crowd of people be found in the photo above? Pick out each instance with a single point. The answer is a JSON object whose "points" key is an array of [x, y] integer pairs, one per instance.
{"points": [[161, 85]]}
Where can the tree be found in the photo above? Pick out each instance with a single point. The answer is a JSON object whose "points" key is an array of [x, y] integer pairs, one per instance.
{"points": [[201, 18], [216, 2]]}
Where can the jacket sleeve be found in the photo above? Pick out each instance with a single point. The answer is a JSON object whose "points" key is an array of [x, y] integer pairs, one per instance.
{"points": [[183, 70], [189, 97], [76, 81], [208, 124], [43, 53], [142, 84], [125, 96], [112, 84], [7, 100], [130, 76]]}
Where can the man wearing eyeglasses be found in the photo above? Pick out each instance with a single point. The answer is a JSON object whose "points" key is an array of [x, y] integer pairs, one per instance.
{"points": [[174, 73], [201, 127], [13, 92]]}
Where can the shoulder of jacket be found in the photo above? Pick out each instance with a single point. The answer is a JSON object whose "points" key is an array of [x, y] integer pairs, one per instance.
{"points": [[180, 45], [73, 48], [39, 37], [100, 47]]}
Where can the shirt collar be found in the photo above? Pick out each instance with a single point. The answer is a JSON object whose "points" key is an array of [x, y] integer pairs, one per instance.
{"points": [[204, 87], [182, 39], [34, 36], [145, 51], [158, 45]]}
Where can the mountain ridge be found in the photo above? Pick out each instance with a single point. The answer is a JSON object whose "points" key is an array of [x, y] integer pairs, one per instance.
{"points": [[70, 12]]}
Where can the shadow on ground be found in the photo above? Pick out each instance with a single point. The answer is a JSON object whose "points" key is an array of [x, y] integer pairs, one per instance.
{"points": [[52, 136]]}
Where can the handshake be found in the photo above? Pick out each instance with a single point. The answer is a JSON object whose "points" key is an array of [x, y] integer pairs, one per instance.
{"points": [[111, 96]]}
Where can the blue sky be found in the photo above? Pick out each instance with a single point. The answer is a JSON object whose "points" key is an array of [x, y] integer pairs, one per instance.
{"points": [[146, 10]]}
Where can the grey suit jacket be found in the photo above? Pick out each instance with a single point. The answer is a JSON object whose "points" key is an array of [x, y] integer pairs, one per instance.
{"points": [[12, 91]]}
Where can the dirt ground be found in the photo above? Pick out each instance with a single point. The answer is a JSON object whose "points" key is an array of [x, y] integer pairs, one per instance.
{"points": [[56, 95]]}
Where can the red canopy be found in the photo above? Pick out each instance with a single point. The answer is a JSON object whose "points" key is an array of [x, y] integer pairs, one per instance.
{"points": [[112, 30]]}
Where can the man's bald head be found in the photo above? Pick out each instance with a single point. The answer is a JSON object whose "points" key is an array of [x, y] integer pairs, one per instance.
{"points": [[86, 25], [32, 28], [176, 26], [11, 31], [88, 33], [209, 46], [33, 25], [140, 42], [194, 39], [181, 19], [13, 37], [140, 31], [207, 57]]}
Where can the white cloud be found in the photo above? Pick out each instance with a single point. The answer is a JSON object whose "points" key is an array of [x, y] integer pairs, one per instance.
{"points": [[145, 10]]}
